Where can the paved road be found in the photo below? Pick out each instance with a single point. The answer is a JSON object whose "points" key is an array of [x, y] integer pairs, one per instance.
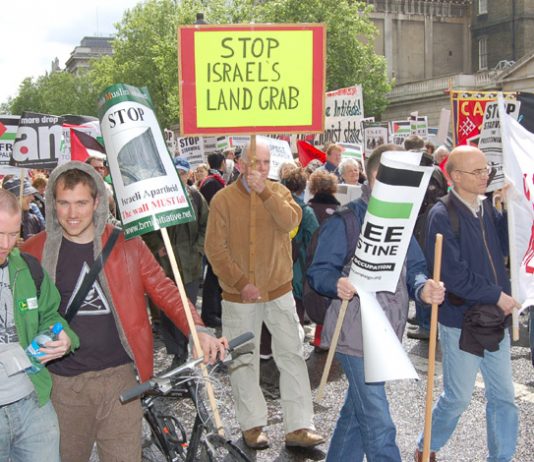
{"points": [[407, 400]]}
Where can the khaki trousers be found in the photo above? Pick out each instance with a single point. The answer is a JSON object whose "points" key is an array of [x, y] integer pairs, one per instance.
{"points": [[280, 316], [89, 410]]}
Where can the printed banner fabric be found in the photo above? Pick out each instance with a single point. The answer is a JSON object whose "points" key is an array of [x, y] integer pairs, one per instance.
{"points": [[518, 156], [397, 195]]}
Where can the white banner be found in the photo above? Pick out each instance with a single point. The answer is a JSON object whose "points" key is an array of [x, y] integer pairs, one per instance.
{"points": [[518, 157], [148, 191], [385, 358], [395, 201]]}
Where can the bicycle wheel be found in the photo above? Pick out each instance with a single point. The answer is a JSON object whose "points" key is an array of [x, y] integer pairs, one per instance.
{"points": [[215, 448]]}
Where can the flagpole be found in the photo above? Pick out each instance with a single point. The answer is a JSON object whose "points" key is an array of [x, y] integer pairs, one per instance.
{"points": [[514, 266], [194, 334], [332, 349], [432, 353]]}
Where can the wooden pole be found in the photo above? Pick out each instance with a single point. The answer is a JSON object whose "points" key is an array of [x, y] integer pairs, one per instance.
{"points": [[332, 349], [432, 353], [193, 329]]}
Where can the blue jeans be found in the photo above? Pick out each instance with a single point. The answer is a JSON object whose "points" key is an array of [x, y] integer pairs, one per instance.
{"points": [[29, 432], [459, 375], [364, 426]]}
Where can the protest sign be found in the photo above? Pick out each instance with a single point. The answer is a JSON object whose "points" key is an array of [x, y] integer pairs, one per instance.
{"points": [[352, 151], [384, 356], [81, 135], [518, 157], [490, 141], [279, 149], [347, 192], [192, 149], [210, 145], [148, 191], [400, 130], [8, 133], [256, 78], [374, 134], [38, 141], [419, 126], [468, 109], [170, 141], [395, 201], [343, 117]]}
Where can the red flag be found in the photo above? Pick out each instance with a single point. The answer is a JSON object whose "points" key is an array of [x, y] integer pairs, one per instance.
{"points": [[83, 145], [307, 153]]}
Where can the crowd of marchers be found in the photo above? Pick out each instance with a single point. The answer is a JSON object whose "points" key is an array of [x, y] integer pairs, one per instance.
{"points": [[267, 257]]}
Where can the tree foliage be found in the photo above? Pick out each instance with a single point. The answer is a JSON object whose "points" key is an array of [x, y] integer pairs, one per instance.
{"points": [[145, 53], [56, 93]]}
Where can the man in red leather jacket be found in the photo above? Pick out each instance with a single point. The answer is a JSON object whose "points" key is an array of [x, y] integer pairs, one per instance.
{"points": [[112, 322]]}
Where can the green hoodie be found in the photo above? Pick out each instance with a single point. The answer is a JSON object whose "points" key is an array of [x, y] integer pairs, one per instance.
{"points": [[31, 318]]}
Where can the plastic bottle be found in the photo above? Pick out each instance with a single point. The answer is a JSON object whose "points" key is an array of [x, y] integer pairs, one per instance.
{"points": [[40, 340]]}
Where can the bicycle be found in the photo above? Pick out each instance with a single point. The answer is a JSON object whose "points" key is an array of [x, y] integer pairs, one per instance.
{"points": [[168, 434]]}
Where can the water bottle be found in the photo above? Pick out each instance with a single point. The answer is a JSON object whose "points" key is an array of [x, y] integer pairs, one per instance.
{"points": [[40, 340]]}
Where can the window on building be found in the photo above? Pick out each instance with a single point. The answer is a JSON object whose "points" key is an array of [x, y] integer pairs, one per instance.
{"points": [[482, 6], [482, 53]]}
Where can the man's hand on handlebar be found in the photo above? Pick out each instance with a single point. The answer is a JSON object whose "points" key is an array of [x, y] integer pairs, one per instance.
{"points": [[214, 349]]}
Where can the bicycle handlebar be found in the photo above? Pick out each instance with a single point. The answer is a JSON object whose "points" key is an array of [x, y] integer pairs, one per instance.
{"points": [[136, 391], [152, 384]]}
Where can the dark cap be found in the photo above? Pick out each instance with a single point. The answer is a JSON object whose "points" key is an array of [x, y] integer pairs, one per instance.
{"points": [[13, 185]]}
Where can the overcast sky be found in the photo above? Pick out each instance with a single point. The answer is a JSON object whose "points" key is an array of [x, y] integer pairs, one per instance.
{"points": [[35, 32]]}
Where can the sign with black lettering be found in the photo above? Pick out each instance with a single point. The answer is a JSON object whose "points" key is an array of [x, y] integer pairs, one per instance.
{"points": [[256, 78], [148, 191], [38, 141], [8, 132], [385, 235]]}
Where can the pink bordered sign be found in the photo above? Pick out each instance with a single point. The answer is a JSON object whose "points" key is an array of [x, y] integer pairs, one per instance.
{"points": [[255, 78]]}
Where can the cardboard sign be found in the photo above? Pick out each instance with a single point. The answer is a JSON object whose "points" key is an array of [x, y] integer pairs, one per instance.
{"points": [[149, 193], [255, 78], [38, 141], [400, 130], [395, 201]]}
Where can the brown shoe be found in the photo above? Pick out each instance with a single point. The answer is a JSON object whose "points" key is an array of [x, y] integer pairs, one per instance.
{"points": [[418, 456], [255, 438], [304, 438]]}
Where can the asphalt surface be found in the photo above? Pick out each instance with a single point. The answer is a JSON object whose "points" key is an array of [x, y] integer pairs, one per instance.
{"points": [[407, 401]]}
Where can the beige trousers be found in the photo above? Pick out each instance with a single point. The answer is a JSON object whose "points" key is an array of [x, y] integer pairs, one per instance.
{"points": [[280, 317]]}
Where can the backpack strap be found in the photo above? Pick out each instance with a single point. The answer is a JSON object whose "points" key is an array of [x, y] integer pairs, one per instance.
{"points": [[452, 212], [36, 270], [352, 230]]}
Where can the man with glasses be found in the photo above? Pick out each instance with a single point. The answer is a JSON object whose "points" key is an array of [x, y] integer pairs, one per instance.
{"points": [[473, 271]]}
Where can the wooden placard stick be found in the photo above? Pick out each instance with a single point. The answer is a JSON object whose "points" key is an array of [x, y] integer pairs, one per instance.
{"points": [[432, 353], [332, 349], [193, 329]]}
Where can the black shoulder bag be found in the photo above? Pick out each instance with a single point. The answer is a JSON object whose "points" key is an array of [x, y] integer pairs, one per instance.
{"points": [[90, 277]]}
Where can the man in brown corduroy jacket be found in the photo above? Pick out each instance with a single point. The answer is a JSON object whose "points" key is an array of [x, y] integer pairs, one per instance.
{"points": [[248, 245]]}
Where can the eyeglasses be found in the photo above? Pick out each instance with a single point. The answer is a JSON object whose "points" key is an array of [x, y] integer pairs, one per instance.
{"points": [[479, 173]]}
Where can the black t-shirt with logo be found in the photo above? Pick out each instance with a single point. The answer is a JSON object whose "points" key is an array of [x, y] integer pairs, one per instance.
{"points": [[94, 323]]}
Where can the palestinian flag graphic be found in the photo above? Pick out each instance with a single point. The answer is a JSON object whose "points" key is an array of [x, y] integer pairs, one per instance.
{"points": [[8, 133], [81, 135], [393, 207]]}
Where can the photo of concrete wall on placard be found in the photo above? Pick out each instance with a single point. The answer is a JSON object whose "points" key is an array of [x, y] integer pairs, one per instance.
{"points": [[139, 159]]}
